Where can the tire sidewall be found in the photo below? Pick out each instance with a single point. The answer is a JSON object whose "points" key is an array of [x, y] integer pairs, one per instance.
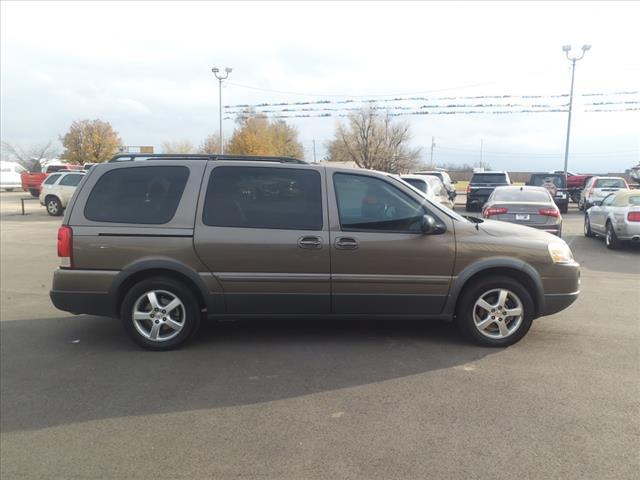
{"points": [[464, 312], [612, 243], [188, 299], [58, 211], [587, 226]]}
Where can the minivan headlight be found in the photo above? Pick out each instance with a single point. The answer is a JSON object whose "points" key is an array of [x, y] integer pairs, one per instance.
{"points": [[560, 252]]}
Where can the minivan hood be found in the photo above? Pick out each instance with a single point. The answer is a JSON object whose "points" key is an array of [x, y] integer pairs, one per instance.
{"points": [[496, 228]]}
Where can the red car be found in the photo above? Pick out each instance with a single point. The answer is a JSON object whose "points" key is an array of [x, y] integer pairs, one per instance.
{"points": [[31, 181]]}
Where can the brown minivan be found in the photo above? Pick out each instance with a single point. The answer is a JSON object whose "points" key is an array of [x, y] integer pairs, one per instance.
{"points": [[161, 241]]}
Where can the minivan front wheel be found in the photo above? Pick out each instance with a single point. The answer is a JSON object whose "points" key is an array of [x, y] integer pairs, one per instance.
{"points": [[160, 313], [495, 311]]}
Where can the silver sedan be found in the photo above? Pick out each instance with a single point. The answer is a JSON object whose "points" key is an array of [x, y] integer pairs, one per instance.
{"points": [[617, 218]]}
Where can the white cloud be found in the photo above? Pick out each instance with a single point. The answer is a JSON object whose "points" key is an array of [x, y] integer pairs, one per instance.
{"points": [[145, 67]]}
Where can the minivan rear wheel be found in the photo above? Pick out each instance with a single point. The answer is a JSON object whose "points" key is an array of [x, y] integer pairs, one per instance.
{"points": [[160, 313], [495, 311]]}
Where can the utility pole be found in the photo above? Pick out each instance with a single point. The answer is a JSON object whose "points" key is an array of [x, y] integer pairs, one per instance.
{"points": [[433, 144], [481, 145], [566, 49], [220, 78], [314, 150]]}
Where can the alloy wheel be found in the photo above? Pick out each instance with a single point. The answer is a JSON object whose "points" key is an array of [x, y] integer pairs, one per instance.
{"points": [[52, 207], [498, 313], [158, 315]]}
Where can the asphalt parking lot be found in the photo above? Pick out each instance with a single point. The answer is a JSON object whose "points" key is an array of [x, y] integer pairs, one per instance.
{"points": [[304, 400]]}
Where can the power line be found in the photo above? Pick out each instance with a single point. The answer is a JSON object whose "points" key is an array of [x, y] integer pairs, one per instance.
{"points": [[368, 95], [426, 99]]}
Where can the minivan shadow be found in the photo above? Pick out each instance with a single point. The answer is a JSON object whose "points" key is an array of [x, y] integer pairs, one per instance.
{"points": [[59, 371]]}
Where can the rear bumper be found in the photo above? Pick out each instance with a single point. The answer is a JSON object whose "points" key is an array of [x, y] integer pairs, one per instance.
{"points": [[553, 229], [556, 302], [91, 303]]}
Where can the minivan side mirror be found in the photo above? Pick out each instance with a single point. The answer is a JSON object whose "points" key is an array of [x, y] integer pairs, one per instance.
{"points": [[429, 226]]}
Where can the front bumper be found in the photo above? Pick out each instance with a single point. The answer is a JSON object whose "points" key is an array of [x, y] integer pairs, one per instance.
{"points": [[556, 302]]}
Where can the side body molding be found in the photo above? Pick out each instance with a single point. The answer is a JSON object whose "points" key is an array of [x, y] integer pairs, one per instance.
{"points": [[469, 271]]}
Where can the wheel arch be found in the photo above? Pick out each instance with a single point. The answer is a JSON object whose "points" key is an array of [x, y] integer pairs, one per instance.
{"points": [[137, 272], [516, 269]]}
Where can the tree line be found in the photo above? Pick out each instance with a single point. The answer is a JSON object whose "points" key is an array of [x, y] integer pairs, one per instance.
{"points": [[367, 139]]}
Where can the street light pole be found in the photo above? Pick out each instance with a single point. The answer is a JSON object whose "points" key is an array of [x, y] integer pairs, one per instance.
{"points": [[566, 49], [220, 78]]}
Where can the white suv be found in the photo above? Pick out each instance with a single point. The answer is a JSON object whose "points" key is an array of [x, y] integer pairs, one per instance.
{"points": [[597, 188], [57, 190]]}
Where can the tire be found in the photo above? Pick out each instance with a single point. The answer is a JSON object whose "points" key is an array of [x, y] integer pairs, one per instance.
{"points": [[587, 227], [468, 207], [54, 207], [34, 192], [469, 314], [173, 328], [610, 238], [564, 208]]}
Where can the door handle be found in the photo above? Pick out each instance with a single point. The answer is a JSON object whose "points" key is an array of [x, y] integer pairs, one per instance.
{"points": [[310, 242], [346, 243]]}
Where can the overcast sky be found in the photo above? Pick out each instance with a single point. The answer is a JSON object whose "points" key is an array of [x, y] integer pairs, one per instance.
{"points": [[146, 68]]}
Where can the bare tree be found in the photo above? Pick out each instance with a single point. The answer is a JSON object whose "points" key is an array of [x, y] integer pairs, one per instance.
{"points": [[30, 157], [210, 145], [375, 142], [179, 146]]}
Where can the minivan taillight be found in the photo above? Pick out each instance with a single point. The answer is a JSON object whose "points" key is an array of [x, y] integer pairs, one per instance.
{"points": [[65, 246], [549, 212], [468, 188], [494, 211], [633, 216]]}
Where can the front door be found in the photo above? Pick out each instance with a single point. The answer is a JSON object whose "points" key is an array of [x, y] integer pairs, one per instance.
{"points": [[381, 263], [263, 232]]}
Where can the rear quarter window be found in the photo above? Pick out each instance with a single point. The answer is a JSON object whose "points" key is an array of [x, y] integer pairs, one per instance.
{"points": [[143, 195]]}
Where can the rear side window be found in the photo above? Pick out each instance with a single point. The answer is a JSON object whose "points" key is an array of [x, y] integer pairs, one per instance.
{"points": [[145, 195], [51, 179], [264, 197], [71, 180]]}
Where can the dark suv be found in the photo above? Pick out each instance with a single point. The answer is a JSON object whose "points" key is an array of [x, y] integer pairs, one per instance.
{"points": [[163, 241], [481, 187], [556, 184]]}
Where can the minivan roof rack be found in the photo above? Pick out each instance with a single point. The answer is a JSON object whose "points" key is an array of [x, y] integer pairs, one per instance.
{"points": [[128, 157]]}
